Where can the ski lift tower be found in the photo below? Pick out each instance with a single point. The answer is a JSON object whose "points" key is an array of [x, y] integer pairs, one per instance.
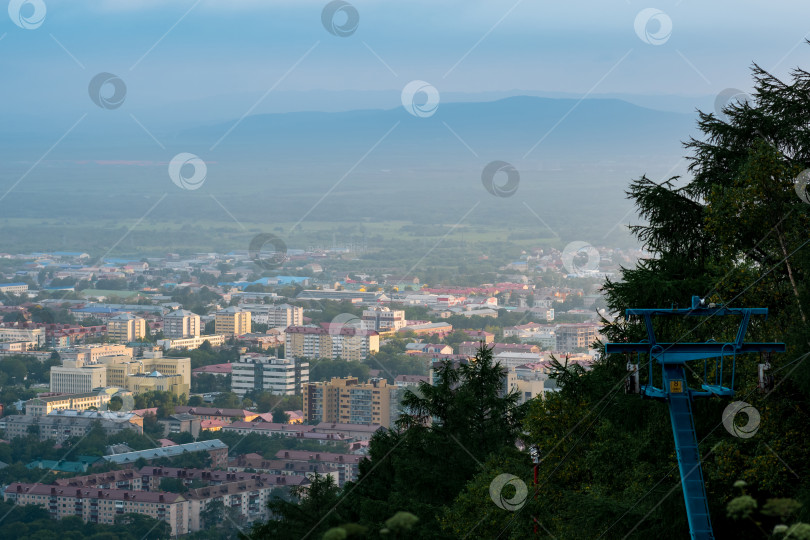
{"points": [[672, 358]]}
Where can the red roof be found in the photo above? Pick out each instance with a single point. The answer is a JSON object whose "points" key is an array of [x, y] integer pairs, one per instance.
{"points": [[217, 369]]}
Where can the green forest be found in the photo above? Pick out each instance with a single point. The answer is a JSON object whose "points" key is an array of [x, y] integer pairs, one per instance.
{"points": [[734, 233]]}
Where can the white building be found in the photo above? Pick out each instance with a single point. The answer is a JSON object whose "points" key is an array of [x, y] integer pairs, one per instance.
{"points": [[268, 374], [383, 319], [181, 324], [31, 335], [276, 316], [78, 380], [511, 360]]}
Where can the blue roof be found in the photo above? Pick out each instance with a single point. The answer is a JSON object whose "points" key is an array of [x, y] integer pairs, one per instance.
{"points": [[95, 310], [11, 284]]}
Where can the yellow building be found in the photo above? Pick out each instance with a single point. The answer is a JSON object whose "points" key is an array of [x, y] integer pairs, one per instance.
{"points": [[143, 382], [41, 406], [232, 322], [148, 373], [126, 328], [347, 401]]}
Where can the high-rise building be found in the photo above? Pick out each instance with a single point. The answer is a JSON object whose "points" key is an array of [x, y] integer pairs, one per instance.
{"points": [[347, 401], [126, 328], [331, 341], [232, 321], [268, 373], [383, 319], [181, 324]]}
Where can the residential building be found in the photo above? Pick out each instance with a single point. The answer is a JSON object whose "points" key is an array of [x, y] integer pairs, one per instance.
{"points": [[269, 374], [383, 319], [126, 328], [358, 432], [470, 348], [511, 360], [95, 505], [181, 423], [331, 341], [438, 329], [346, 400], [276, 315], [216, 413], [61, 425], [575, 336], [332, 294], [407, 381], [181, 324], [123, 479], [232, 321]]}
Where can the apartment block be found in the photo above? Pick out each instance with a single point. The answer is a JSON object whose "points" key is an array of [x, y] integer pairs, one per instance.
{"points": [[347, 401], [331, 341], [60, 425], [276, 315], [575, 336], [232, 322], [269, 374], [126, 328], [95, 505], [383, 319], [181, 324]]}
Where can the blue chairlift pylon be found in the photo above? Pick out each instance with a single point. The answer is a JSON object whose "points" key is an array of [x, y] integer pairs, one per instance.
{"points": [[675, 391]]}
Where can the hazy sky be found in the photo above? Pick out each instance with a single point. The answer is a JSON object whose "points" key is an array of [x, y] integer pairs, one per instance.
{"points": [[222, 55]]}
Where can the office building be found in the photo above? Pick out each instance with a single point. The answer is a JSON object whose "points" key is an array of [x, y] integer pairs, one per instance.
{"points": [[188, 343], [77, 380], [41, 406], [30, 335]]}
